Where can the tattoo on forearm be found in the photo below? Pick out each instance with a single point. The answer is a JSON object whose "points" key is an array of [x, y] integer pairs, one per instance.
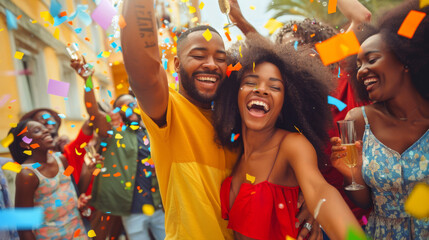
{"points": [[146, 26]]}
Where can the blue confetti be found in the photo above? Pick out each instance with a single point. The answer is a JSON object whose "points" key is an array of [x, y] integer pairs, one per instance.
{"points": [[103, 144], [116, 110], [21, 218], [128, 112], [110, 93], [11, 20], [36, 165], [110, 132], [124, 127], [61, 115], [119, 49], [174, 74], [167, 40], [55, 8], [113, 45], [46, 116], [165, 63], [232, 137], [58, 21], [72, 126], [50, 122], [66, 98], [134, 123], [78, 30], [295, 45], [339, 72], [340, 105], [87, 89], [58, 203]]}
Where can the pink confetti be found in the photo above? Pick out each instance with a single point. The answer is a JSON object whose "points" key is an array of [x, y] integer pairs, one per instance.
{"points": [[27, 140], [364, 220]]}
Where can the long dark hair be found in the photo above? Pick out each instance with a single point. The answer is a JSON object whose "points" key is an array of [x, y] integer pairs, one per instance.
{"points": [[305, 102], [15, 147]]}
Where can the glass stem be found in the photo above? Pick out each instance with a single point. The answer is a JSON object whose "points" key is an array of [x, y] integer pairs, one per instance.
{"points": [[353, 177]]}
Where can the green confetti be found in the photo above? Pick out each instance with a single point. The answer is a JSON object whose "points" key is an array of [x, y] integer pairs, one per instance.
{"points": [[353, 234], [89, 82], [108, 118], [98, 165]]}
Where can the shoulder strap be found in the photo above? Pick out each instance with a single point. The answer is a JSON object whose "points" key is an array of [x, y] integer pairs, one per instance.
{"points": [[30, 166], [364, 115], [275, 160]]}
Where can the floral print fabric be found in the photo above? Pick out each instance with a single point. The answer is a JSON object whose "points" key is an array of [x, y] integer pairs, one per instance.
{"points": [[391, 177]]}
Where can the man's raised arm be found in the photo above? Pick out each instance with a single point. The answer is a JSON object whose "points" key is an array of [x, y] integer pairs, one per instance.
{"points": [[139, 40]]}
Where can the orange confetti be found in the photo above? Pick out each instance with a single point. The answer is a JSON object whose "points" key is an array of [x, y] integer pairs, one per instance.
{"points": [[106, 175], [126, 167], [121, 22], [96, 172], [88, 104], [20, 16], [410, 23], [227, 36], [117, 174], [76, 233], [230, 68], [87, 39], [332, 6], [22, 132], [62, 14], [294, 28], [68, 170], [34, 145], [338, 47]]}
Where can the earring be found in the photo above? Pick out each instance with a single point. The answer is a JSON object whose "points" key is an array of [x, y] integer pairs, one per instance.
{"points": [[241, 89]]}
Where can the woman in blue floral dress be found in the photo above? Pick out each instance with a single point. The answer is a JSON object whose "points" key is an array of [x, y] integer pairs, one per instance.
{"points": [[394, 72]]}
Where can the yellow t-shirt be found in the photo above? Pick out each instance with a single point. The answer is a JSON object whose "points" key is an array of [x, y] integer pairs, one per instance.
{"points": [[190, 168]]}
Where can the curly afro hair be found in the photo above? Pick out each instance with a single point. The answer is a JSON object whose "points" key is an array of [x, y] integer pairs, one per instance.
{"points": [[305, 101], [15, 147]]}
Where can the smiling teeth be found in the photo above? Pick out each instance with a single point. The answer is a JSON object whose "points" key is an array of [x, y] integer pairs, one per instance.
{"points": [[207, 79], [370, 81], [258, 103]]}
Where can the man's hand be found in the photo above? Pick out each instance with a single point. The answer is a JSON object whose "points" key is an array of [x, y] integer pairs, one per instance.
{"points": [[82, 202], [304, 216], [80, 66]]}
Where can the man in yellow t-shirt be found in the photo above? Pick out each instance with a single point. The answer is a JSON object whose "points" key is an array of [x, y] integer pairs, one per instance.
{"points": [[190, 166]]}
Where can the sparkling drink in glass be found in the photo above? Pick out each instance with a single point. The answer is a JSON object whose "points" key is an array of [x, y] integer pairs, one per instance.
{"points": [[347, 132], [225, 8]]}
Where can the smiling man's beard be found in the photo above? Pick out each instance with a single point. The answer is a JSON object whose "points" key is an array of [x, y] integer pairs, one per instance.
{"points": [[189, 85]]}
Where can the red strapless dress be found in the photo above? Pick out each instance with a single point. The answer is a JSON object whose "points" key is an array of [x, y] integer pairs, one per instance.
{"points": [[261, 211]]}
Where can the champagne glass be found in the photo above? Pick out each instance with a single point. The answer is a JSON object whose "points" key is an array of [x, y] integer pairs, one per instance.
{"points": [[90, 151], [225, 8], [73, 51], [348, 139]]}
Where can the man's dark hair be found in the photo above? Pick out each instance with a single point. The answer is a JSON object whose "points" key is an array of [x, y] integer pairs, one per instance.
{"points": [[15, 147], [184, 36], [120, 96], [413, 53], [308, 30], [305, 104]]}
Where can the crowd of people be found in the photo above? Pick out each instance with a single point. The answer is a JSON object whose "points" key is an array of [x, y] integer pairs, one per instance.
{"points": [[252, 153]]}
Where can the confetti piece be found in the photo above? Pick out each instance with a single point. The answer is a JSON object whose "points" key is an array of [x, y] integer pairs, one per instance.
{"points": [[121, 22], [19, 55], [12, 166], [96, 171], [295, 45], [58, 203], [333, 101], [338, 47], [77, 152], [424, 3], [128, 184], [57, 33], [119, 86], [417, 202], [104, 14], [27, 140], [58, 88], [250, 178], [5, 142], [192, 10], [91, 233], [410, 23], [36, 165], [207, 35], [289, 238], [239, 37], [148, 209], [118, 174], [22, 132], [21, 218], [76, 233], [201, 5], [227, 36], [28, 152], [68, 170], [272, 25], [231, 68], [55, 8], [332, 6], [297, 129], [34, 145], [11, 20], [105, 54], [252, 7], [134, 127], [364, 220], [47, 17], [78, 30], [353, 234]]}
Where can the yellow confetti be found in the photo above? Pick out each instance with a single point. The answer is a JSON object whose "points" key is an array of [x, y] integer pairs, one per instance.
{"points": [[119, 86], [83, 145], [424, 3], [137, 111], [118, 136], [253, 66], [201, 5], [28, 152], [124, 108], [34, 21], [5, 142], [192, 9], [250, 178], [184, 1], [148, 209], [47, 17], [1, 29], [289, 238], [77, 152], [297, 129], [239, 49], [272, 25], [105, 54], [134, 127], [57, 33], [207, 35], [91, 233], [123, 145], [128, 184], [118, 144], [239, 37], [417, 202], [194, 19], [12, 166], [19, 55], [252, 7]]}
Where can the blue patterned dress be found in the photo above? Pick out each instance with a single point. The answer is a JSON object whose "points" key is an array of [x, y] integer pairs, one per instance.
{"points": [[391, 177]]}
